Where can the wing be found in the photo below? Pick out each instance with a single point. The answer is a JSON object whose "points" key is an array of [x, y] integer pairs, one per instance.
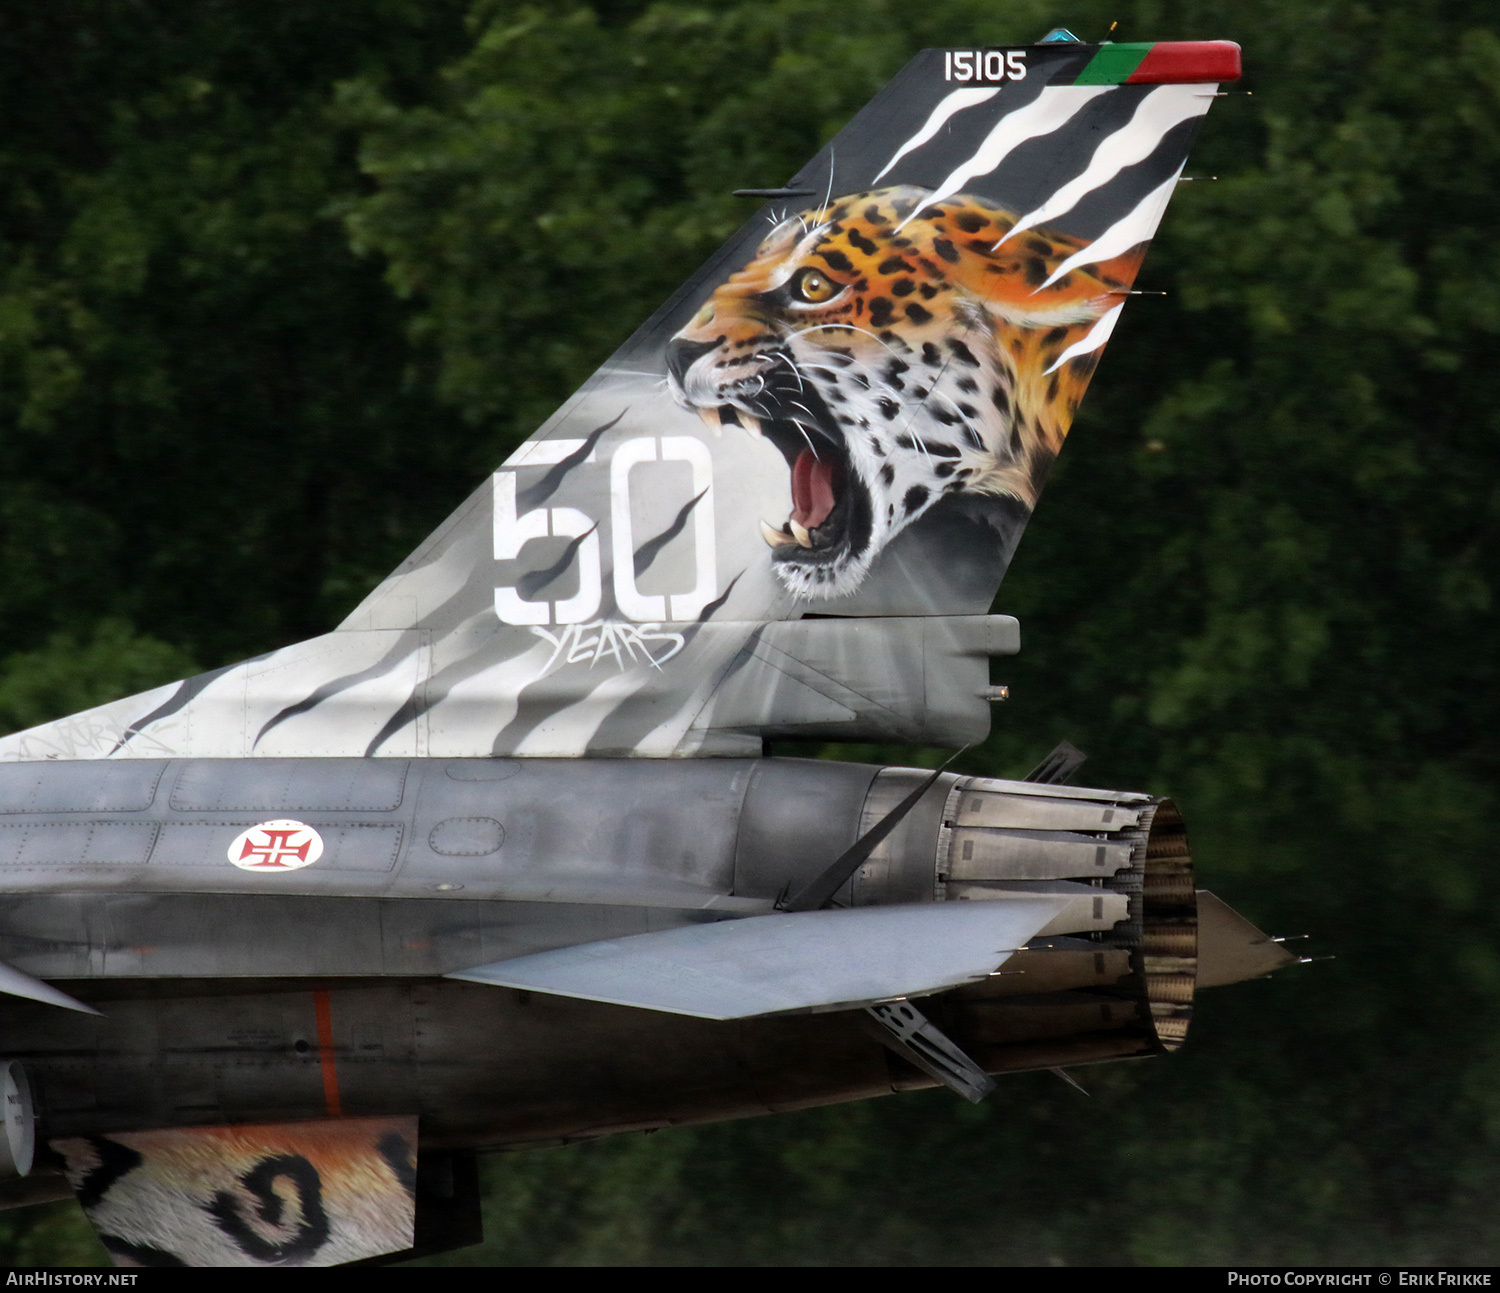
{"points": [[848, 412]]}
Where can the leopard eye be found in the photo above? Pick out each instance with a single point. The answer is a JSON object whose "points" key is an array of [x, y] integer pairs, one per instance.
{"points": [[814, 287]]}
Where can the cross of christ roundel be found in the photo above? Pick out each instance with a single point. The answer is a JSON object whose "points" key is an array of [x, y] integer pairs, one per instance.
{"points": [[281, 845]]}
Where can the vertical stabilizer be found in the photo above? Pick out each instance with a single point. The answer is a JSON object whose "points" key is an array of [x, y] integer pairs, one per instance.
{"points": [[849, 411]]}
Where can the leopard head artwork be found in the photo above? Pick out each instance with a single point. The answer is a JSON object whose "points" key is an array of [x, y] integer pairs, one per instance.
{"points": [[898, 351]]}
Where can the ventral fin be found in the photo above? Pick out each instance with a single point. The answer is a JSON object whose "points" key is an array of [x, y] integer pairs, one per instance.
{"points": [[271, 1194]]}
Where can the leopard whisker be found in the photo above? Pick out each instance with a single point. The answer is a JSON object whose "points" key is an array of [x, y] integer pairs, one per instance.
{"points": [[943, 395], [796, 371], [854, 327], [813, 235], [812, 417], [802, 430], [871, 374], [805, 428]]}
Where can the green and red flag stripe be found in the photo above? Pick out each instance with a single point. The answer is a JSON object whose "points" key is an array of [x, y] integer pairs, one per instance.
{"points": [[1162, 62]]}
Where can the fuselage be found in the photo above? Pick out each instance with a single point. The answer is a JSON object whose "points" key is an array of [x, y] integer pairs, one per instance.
{"points": [[234, 993]]}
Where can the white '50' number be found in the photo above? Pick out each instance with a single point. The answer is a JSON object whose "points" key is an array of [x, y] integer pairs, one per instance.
{"points": [[513, 532]]}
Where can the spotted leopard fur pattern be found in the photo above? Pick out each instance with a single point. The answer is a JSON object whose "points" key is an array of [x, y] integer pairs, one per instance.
{"points": [[929, 367]]}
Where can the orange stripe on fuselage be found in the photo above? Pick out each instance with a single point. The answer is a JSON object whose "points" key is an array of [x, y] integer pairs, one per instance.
{"points": [[324, 1015]]}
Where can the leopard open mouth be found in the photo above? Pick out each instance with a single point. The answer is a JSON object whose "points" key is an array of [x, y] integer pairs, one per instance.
{"points": [[830, 520]]}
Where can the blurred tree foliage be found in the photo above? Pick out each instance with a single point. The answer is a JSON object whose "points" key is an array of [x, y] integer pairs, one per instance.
{"points": [[278, 282], [213, 425]]}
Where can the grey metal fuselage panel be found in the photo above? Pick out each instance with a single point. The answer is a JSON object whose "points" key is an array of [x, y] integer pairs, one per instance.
{"points": [[122, 890]]}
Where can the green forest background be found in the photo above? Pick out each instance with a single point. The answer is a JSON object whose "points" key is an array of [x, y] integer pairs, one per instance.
{"points": [[281, 280]]}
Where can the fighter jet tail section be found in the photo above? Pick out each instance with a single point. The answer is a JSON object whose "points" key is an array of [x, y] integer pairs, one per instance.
{"points": [[850, 411], [782, 509]]}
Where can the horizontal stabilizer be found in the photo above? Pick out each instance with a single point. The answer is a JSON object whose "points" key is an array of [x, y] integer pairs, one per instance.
{"points": [[806, 960], [17, 983], [1230, 948]]}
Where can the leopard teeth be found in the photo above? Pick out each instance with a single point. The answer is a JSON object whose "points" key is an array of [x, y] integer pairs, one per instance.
{"points": [[711, 420], [749, 421], [799, 532], [774, 537]]}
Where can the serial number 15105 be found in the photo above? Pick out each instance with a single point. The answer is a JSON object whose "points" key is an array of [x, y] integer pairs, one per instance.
{"points": [[992, 65]]}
